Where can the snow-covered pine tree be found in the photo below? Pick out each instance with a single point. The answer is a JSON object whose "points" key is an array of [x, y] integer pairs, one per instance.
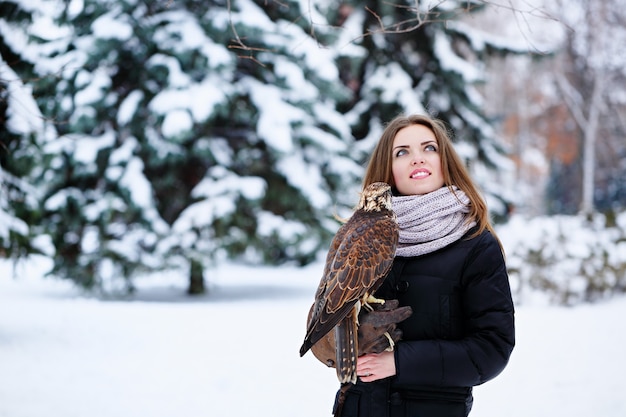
{"points": [[283, 110], [21, 129], [425, 59], [17, 204], [190, 131]]}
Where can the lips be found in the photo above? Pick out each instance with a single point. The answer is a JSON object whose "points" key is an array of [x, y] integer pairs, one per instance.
{"points": [[420, 173]]}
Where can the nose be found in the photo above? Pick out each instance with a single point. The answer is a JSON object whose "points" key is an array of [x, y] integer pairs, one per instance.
{"points": [[418, 159]]}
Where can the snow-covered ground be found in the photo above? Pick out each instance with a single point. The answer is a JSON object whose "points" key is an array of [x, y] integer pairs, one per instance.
{"points": [[234, 352]]}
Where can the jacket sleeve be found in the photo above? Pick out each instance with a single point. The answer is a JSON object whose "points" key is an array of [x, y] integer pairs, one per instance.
{"points": [[489, 322]]}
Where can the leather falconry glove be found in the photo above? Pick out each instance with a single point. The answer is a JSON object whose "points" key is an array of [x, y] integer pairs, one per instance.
{"points": [[375, 329]]}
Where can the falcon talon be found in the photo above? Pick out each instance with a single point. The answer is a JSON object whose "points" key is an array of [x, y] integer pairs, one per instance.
{"points": [[392, 344], [370, 299], [373, 300]]}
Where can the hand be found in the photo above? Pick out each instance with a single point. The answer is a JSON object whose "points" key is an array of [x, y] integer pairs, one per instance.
{"points": [[378, 326], [375, 329], [375, 366]]}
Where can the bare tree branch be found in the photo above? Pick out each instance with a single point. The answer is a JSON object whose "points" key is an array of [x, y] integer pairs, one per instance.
{"points": [[418, 19], [571, 98], [239, 43]]}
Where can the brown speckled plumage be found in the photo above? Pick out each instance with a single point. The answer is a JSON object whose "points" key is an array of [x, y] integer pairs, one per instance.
{"points": [[359, 258]]}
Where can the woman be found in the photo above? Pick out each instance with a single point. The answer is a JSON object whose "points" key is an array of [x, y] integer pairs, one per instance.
{"points": [[449, 268]]}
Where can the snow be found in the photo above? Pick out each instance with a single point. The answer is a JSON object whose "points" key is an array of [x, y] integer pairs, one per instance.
{"points": [[234, 352], [9, 223], [23, 114], [450, 61], [270, 223], [199, 98], [275, 115], [75, 7], [299, 88], [95, 84], [521, 25], [140, 191], [110, 26], [318, 58], [306, 177], [395, 86], [570, 259], [86, 147], [219, 199], [176, 123], [220, 181], [175, 76], [129, 106]]}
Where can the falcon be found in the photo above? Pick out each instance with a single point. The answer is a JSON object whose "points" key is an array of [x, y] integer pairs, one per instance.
{"points": [[359, 258]]}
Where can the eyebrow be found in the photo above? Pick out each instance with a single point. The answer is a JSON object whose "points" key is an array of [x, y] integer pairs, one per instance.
{"points": [[426, 142]]}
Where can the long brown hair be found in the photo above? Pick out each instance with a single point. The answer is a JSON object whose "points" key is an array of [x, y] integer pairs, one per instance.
{"points": [[452, 167]]}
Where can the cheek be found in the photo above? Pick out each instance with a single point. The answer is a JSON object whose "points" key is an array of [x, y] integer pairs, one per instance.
{"points": [[395, 172], [436, 162]]}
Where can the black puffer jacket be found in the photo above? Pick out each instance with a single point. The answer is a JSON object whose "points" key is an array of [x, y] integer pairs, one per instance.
{"points": [[461, 333]]}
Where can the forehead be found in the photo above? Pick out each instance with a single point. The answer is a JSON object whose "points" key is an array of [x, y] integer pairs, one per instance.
{"points": [[414, 134]]}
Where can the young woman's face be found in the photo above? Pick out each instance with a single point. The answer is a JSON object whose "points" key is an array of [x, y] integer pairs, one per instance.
{"points": [[416, 162]]}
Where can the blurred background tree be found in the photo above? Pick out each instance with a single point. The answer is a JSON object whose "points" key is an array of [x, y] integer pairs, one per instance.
{"points": [[21, 134], [174, 135], [563, 112]]}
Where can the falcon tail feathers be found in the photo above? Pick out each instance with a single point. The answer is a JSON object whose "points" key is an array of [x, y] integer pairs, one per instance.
{"points": [[317, 329], [346, 343]]}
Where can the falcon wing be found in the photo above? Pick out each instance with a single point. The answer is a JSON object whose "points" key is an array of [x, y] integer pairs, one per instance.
{"points": [[360, 256]]}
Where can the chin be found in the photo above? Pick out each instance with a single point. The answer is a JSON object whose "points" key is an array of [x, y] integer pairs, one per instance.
{"points": [[424, 190]]}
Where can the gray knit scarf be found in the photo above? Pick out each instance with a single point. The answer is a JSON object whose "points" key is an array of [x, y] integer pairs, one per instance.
{"points": [[431, 221]]}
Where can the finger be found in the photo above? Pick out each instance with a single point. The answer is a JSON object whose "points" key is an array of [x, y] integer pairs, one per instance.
{"points": [[362, 369], [369, 378], [368, 357], [365, 367]]}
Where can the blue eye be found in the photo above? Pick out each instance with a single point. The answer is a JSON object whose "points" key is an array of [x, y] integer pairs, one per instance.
{"points": [[432, 148], [401, 152]]}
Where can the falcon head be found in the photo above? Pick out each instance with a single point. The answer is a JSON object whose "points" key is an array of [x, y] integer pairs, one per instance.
{"points": [[375, 197]]}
